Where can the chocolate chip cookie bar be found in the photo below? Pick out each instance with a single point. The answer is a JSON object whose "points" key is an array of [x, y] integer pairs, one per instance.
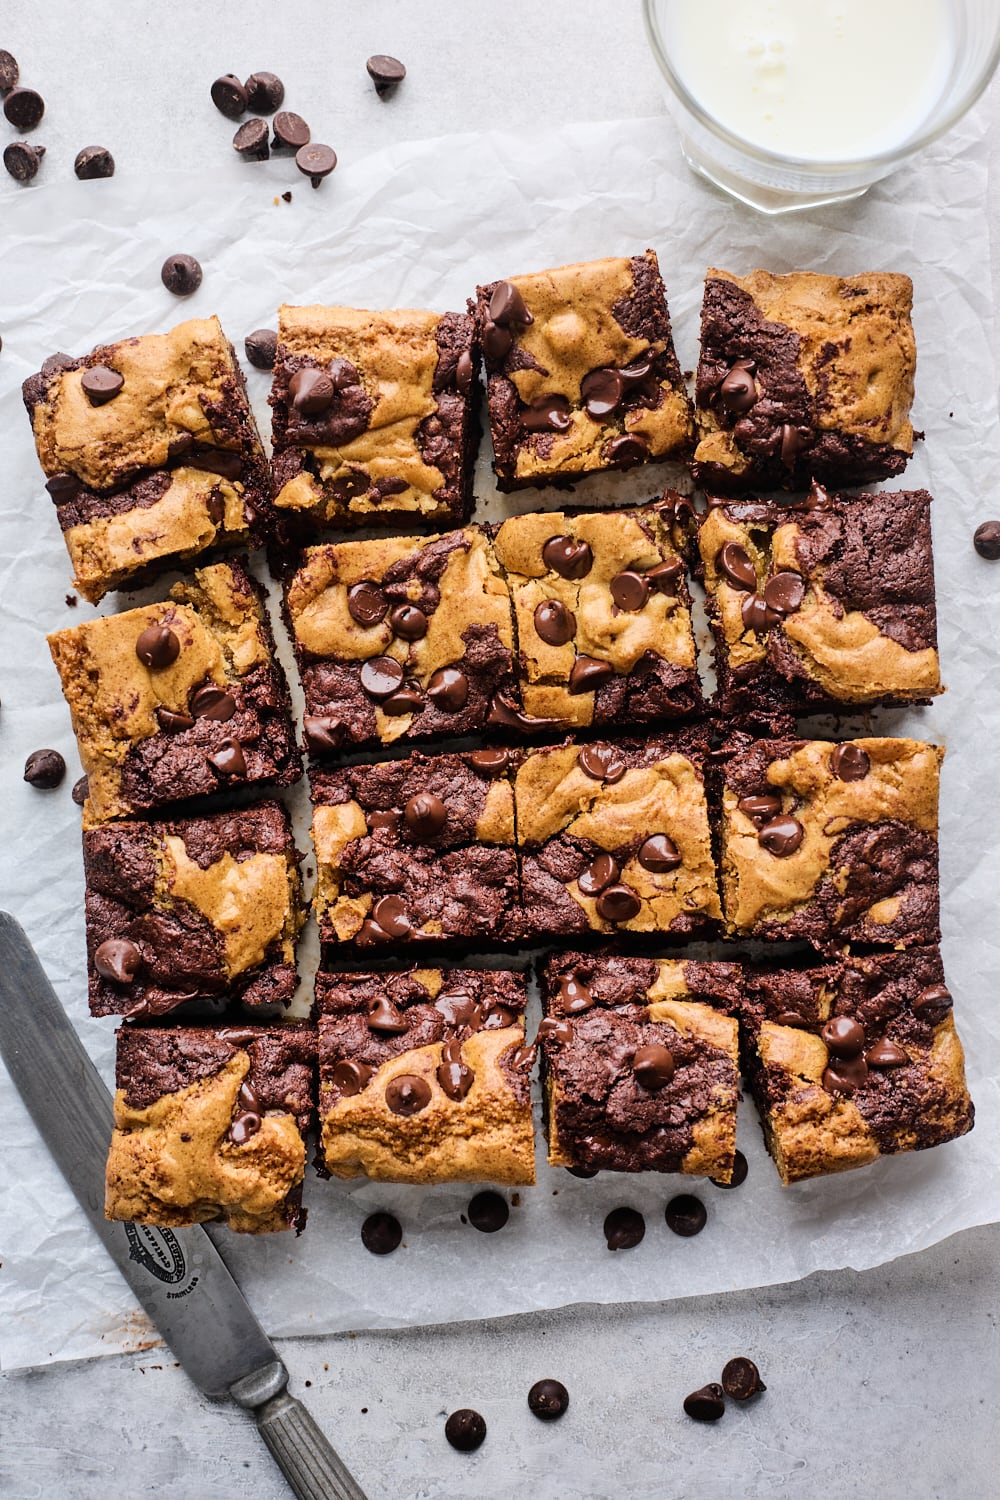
{"points": [[832, 843], [150, 452], [853, 1060], [640, 1064], [414, 850], [209, 1125], [376, 416], [615, 837], [194, 909], [582, 372], [803, 377], [424, 1076], [402, 638], [825, 605], [603, 614], [178, 699]]}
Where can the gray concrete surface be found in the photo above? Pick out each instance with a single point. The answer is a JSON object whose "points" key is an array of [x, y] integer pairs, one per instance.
{"points": [[882, 1383]]}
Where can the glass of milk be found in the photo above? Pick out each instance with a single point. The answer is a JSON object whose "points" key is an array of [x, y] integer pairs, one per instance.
{"points": [[788, 104]]}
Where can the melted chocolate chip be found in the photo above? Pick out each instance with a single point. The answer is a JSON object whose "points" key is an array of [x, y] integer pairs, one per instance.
{"points": [[619, 903], [686, 1215], [741, 1378], [601, 392], [157, 647], [490, 762], [548, 1400], [384, 1016], [784, 592], [660, 854], [706, 1404], [383, 818], [311, 391], [465, 1430], [547, 414], [653, 1066], [625, 452], [118, 959], [602, 763], [844, 1037], [844, 1075], [849, 762], [505, 715], [448, 689], [465, 371], [733, 562], [101, 385], [756, 615], [588, 674], [738, 391], [886, 1054], [932, 1003], [624, 1228], [408, 1094], [323, 733], [760, 809], [389, 913], [381, 1233], [351, 1076], [781, 836], [554, 623], [740, 1170], [211, 702], [604, 871], [425, 815], [574, 996], [568, 557], [63, 487], [629, 590], [381, 676], [44, 769], [229, 759], [507, 305], [555, 1031], [247, 1120], [986, 540], [408, 622], [406, 701], [458, 1008], [454, 1075], [171, 722], [488, 1212], [366, 603], [793, 442], [497, 342], [666, 575]]}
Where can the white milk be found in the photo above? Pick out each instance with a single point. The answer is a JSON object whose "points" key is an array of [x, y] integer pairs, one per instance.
{"points": [[822, 80]]}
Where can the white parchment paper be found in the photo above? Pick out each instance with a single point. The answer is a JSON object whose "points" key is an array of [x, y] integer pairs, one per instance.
{"points": [[418, 226]]}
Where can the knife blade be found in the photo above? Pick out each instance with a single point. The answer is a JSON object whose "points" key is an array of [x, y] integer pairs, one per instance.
{"points": [[178, 1275]]}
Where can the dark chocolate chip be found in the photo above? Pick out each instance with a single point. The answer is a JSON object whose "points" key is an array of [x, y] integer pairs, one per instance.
{"points": [[215, 508], [381, 1233], [290, 131], [389, 912], [425, 815], [843, 1075], [181, 275], [221, 461], [171, 722], [383, 818], [793, 442], [343, 373], [44, 769], [554, 623], [740, 1169], [9, 71], [23, 108], [448, 689], [251, 141], [733, 562], [381, 676], [211, 702], [760, 809], [686, 1215], [548, 1400], [604, 871], [574, 996], [653, 1066], [497, 342], [180, 446], [547, 414], [738, 392], [507, 305], [488, 1212], [93, 162], [584, 1173], [385, 72], [781, 836], [407, 1094], [849, 762], [101, 385], [558, 1032], [601, 391], [756, 614], [624, 1228], [464, 372], [261, 347], [458, 1009], [568, 557], [741, 1378], [408, 622], [666, 576], [626, 451], [229, 96], [63, 487], [157, 647], [784, 592], [351, 1077], [790, 1018], [465, 1430], [706, 1404], [629, 590], [248, 1118], [118, 959], [265, 93], [588, 674], [619, 903], [659, 854], [81, 788], [602, 763], [366, 603], [933, 1001], [22, 161], [505, 715], [490, 762], [229, 759], [406, 701], [384, 1016], [311, 391], [986, 540], [455, 1076], [844, 1037], [886, 1054], [315, 162]]}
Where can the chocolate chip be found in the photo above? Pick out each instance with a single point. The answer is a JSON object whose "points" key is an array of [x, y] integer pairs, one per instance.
{"points": [[626, 452], [251, 141], [180, 446], [706, 1404], [23, 108], [464, 372], [738, 391], [406, 701], [933, 1001], [558, 1032], [490, 762], [157, 647], [22, 161], [229, 759], [211, 702], [886, 1054], [181, 275], [574, 996], [351, 1077], [93, 162], [381, 676], [507, 305], [386, 73], [784, 592], [741, 1378], [408, 1094], [408, 622], [261, 348], [219, 461], [844, 1036], [425, 815], [118, 959], [290, 131], [781, 836], [343, 373], [793, 442], [381, 1233], [602, 763], [465, 1430], [547, 414], [740, 1170], [760, 809], [9, 71], [624, 1228], [488, 1212], [448, 689], [458, 1009], [384, 1016], [986, 540], [604, 871], [229, 96], [849, 762], [554, 623], [660, 854], [80, 791], [383, 818], [733, 562], [686, 1215], [248, 1119], [315, 162], [366, 603], [568, 557], [548, 1400], [311, 391], [265, 93], [665, 577], [629, 590], [455, 1076], [215, 508], [497, 342], [44, 769], [584, 1173], [653, 1066], [601, 391], [844, 1075], [63, 487], [101, 385], [171, 722], [619, 903], [390, 914], [756, 614], [588, 674]]}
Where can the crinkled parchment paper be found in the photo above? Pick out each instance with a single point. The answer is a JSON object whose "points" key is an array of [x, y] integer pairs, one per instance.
{"points": [[418, 226]]}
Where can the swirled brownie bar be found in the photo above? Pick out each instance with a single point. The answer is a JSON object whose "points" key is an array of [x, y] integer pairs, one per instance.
{"points": [[424, 1076]]}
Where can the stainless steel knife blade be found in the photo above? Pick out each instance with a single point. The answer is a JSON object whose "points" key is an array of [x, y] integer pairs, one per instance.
{"points": [[178, 1275]]}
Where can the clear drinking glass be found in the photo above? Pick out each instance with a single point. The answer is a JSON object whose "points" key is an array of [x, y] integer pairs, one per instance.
{"points": [[774, 182]]}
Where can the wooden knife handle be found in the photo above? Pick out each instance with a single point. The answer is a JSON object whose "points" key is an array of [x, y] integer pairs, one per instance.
{"points": [[302, 1451]]}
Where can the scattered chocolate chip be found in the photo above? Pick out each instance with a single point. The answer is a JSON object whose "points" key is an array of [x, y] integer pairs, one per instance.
{"points": [[756, 614], [843, 1075], [548, 1400], [568, 557], [211, 702], [488, 1212], [619, 903], [986, 540], [248, 1119], [760, 809], [740, 1169], [366, 603], [63, 487], [465, 1430], [93, 162], [706, 1404], [265, 93], [390, 914], [315, 162], [290, 131], [574, 996], [229, 759], [738, 391], [351, 1077], [251, 141], [157, 647], [554, 623], [386, 73], [587, 674], [601, 392], [464, 372], [781, 836], [629, 590], [660, 854], [933, 1001], [455, 1076], [261, 347], [408, 1094], [741, 1378], [425, 815], [381, 1233], [602, 763], [286, 196], [497, 342], [626, 451], [171, 722], [604, 871], [624, 1228], [784, 592], [406, 701], [311, 391], [508, 306], [504, 714], [101, 385], [584, 1173], [22, 161], [666, 575], [408, 622], [23, 108], [9, 71], [547, 414], [44, 769], [886, 1054], [384, 1016], [844, 1036], [118, 959], [181, 275], [733, 562], [80, 791], [381, 676], [558, 1032], [793, 442], [849, 762], [686, 1215], [229, 96], [653, 1066], [448, 689]]}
